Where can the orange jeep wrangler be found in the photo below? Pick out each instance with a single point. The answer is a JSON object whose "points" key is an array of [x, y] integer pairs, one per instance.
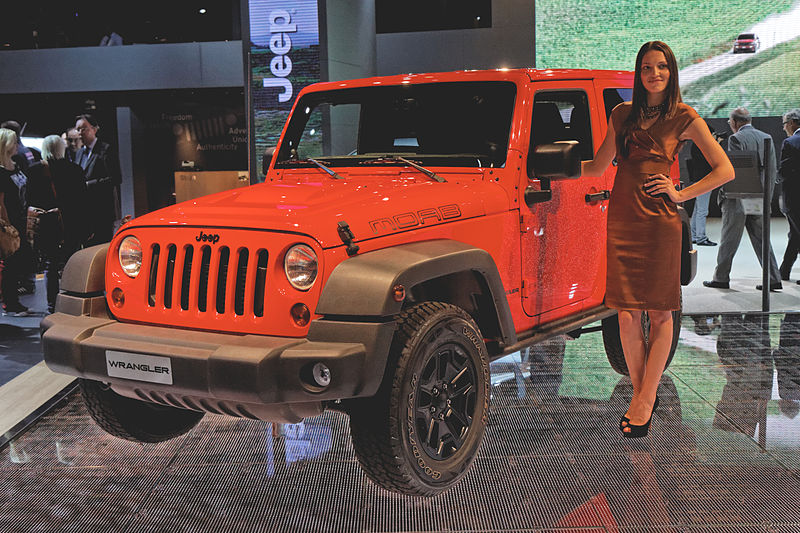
{"points": [[410, 230]]}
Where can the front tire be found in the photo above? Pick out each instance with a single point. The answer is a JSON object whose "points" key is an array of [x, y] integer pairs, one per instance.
{"points": [[135, 420], [419, 434]]}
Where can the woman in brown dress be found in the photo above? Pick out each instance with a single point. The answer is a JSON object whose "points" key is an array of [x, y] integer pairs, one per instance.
{"points": [[644, 228]]}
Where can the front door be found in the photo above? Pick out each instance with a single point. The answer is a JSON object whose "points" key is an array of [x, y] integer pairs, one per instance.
{"points": [[563, 239]]}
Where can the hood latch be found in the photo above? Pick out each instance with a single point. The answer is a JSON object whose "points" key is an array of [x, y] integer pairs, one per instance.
{"points": [[347, 238]]}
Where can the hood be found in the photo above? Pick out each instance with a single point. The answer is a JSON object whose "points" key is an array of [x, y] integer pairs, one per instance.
{"points": [[373, 205]]}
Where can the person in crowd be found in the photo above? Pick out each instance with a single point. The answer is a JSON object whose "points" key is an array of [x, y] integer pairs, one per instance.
{"points": [[101, 168], [74, 144], [25, 156], [13, 189], [734, 219], [698, 168], [790, 193], [644, 227], [55, 183]]}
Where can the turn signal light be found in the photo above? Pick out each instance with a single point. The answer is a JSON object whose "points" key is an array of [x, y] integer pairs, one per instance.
{"points": [[301, 316], [118, 297], [398, 293]]}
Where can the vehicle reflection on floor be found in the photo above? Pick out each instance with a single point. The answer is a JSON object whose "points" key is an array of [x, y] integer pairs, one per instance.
{"points": [[723, 453]]}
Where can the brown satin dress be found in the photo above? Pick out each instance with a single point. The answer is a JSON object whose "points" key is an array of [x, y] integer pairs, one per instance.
{"points": [[644, 233]]}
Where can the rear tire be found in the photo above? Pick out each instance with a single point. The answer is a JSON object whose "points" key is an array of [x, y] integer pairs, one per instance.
{"points": [[419, 434], [613, 344], [135, 420]]}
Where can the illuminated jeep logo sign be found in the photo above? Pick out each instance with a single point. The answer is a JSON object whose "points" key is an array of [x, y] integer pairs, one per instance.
{"points": [[411, 219], [213, 238], [280, 44]]}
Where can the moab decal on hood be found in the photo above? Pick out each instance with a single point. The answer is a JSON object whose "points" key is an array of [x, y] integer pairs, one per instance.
{"points": [[411, 219]]}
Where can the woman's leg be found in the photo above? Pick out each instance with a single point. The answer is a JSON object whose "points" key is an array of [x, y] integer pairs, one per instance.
{"points": [[660, 341], [633, 346], [9, 283]]}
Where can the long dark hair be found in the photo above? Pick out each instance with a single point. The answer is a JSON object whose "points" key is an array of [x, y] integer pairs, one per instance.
{"points": [[639, 100]]}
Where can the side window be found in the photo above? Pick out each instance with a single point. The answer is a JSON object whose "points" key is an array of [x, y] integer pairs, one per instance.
{"points": [[613, 97], [562, 116]]}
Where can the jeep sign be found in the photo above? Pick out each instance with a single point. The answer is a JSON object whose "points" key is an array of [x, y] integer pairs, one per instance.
{"points": [[280, 44]]}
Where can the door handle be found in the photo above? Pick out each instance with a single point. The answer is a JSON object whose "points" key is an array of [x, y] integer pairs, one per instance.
{"points": [[598, 196]]}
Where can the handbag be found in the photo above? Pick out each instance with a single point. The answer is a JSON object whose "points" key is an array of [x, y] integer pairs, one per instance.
{"points": [[9, 239], [45, 229]]}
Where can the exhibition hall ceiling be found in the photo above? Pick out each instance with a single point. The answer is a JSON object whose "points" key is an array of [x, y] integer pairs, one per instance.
{"points": [[70, 23]]}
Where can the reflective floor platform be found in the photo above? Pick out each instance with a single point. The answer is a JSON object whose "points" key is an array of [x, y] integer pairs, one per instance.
{"points": [[723, 455]]}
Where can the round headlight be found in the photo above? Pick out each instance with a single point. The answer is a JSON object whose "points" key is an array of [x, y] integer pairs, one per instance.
{"points": [[130, 256], [301, 266]]}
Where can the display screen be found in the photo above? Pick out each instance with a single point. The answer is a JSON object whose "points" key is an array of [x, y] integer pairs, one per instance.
{"points": [[284, 58], [730, 52]]}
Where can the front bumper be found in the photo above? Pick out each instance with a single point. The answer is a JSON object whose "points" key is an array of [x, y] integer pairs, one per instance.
{"points": [[240, 375]]}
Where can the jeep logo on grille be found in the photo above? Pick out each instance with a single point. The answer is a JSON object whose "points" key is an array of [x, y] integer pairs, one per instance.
{"points": [[213, 238]]}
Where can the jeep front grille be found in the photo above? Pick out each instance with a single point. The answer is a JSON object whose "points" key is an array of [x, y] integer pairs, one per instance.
{"points": [[188, 276]]}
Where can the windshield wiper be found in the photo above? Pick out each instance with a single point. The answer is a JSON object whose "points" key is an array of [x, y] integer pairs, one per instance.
{"points": [[327, 169], [394, 158]]}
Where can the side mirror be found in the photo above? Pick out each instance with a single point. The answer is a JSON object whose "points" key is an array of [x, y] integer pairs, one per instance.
{"points": [[558, 161], [266, 158]]}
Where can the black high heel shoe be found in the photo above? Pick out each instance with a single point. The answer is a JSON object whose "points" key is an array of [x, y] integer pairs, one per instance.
{"points": [[637, 432], [624, 421]]}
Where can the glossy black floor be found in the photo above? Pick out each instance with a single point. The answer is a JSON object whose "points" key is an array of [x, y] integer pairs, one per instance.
{"points": [[723, 455]]}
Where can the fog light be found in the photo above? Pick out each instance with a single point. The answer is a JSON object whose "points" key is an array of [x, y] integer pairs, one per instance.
{"points": [[300, 315], [118, 297], [322, 375], [398, 293]]}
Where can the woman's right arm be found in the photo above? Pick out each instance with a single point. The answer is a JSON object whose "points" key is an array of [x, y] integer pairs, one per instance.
{"points": [[605, 155]]}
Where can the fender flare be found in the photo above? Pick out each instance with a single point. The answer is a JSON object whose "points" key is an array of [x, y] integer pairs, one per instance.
{"points": [[85, 272], [362, 285]]}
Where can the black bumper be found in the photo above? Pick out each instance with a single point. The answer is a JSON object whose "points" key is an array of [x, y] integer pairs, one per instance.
{"points": [[250, 369]]}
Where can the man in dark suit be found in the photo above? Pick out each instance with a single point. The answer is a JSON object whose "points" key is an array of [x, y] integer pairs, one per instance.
{"points": [[734, 219], [790, 194], [101, 168]]}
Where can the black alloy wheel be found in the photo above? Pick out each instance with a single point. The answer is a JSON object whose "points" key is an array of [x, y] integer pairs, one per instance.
{"points": [[444, 401]]}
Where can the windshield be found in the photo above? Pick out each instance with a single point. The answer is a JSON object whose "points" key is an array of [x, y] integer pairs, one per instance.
{"points": [[448, 124], [745, 36]]}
